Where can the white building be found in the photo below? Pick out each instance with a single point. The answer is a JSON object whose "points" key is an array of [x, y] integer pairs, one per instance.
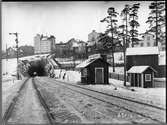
{"points": [[43, 44], [149, 40], [92, 38]]}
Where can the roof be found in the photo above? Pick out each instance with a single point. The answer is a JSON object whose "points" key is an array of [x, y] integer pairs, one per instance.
{"points": [[139, 69], [85, 63], [142, 51], [88, 62]]}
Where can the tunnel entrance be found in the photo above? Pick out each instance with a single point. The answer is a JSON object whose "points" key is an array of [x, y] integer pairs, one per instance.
{"points": [[37, 68]]}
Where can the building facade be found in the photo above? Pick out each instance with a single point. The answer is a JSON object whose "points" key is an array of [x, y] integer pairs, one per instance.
{"points": [[92, 38], [44, 44], [149, 40]]}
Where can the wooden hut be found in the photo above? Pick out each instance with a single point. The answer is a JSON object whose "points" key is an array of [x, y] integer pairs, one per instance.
{"points": [[139, 56], [94, 70], [141, 76]]}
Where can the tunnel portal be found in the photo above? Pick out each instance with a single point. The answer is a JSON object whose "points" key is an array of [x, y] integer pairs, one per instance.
{"points": [[37, 68]]}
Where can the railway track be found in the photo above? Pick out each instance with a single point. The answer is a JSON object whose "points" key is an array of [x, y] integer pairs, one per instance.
{"points": [[13, 104], [49, 114], [152, 112]]}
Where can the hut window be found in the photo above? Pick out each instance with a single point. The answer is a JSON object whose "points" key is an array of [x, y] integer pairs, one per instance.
{"points": [[147, 77], [85, 72]]}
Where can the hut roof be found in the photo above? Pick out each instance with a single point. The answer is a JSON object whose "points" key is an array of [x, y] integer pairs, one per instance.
{"points": [[88, 62], [139, 69], [85, 63], [142, 51]]}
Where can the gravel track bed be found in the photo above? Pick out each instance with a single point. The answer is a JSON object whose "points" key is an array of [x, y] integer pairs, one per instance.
{"points": [[61, 112], [94, 110], [145, 111]]}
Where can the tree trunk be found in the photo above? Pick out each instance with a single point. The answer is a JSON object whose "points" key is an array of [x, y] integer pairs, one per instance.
{"points": [[124, 61], [156, 25], [113, 60]]}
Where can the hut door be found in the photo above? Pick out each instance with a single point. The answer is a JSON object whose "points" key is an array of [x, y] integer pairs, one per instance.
{"points": [[99, 75]]}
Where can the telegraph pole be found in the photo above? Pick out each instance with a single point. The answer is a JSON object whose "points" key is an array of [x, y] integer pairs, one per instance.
{"points": [[16, 34], [6, 59]]}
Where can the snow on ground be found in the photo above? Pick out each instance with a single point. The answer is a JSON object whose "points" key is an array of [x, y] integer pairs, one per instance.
{"points": [[10, 85], [7, 78], [154, 96], [9, 66], [9, 90], [72, 76]]}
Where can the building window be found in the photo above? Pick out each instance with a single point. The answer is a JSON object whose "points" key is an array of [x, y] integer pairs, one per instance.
{"points": [[148, 38], [147, 77], [148, 43]]}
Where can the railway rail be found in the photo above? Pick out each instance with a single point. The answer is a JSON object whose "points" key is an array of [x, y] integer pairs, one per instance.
{"points": [[49, 114], [12, 105], [152, 112], [120, 97]]}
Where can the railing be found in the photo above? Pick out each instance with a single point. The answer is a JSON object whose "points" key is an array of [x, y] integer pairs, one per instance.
{"points": [[117, 76], [157, 83]]}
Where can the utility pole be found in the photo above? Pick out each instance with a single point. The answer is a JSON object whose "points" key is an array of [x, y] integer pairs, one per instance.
{"points": [[16, 34], [6, 59], [73, 58]]}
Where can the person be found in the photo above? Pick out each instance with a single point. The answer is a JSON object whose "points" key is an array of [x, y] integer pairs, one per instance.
{"points": [[64, 75]]}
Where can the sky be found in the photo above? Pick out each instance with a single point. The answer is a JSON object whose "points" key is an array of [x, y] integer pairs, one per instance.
{"points": [[64, 20]]}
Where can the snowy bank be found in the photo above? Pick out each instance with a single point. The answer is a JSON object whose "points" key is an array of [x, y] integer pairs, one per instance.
{"points": [[9, 91]]}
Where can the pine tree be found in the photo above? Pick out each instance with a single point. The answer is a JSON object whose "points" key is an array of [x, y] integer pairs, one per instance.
{"points": [[156, 20], [110, 42], [134, 24], [125, 14]]}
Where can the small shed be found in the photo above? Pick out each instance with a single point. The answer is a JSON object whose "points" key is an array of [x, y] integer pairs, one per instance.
{"points": [[141, 76], [142, 56], [94, 70]]}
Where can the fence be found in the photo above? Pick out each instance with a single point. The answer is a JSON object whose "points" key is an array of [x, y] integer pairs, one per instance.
{"points": [[157, 83], [117, 76]]}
